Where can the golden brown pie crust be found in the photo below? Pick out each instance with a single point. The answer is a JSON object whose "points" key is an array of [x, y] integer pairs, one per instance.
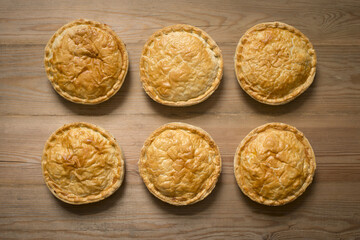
{"points": [[86, 62], [181, 65], [274, 164], [82, 163], [274, 63], [180, 163]]}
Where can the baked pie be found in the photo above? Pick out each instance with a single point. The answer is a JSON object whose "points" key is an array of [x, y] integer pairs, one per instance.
{"points": [[274, 164], [82, 163], [86, 62], [274, 63], [180, 163], [180, 66]]}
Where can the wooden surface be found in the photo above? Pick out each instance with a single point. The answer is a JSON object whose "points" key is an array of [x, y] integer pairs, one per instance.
{"points": [[328, 113]]}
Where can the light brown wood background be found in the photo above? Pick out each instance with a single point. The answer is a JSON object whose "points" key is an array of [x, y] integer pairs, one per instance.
{"points": [[328, 113]]}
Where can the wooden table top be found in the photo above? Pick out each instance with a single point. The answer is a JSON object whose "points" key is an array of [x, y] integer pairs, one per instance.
{"points": [[328, 113]]}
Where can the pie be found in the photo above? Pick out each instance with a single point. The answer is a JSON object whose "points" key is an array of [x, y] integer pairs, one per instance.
{"points": [[82, 163], [180, 66], [86, 62], [274, 63], [274, 164], [180, 164]]}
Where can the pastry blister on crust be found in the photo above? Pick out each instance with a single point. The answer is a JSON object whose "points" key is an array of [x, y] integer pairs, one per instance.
{"points": [[274, 164], [86, 62], [82, 163], [180, 163], [274, 63], [180, 66]]}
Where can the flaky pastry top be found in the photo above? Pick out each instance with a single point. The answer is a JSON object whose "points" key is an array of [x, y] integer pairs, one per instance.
{"points": [[274, 164], [86, 62], [275, 62], [180, 66], [180, 164], [82, 163]]}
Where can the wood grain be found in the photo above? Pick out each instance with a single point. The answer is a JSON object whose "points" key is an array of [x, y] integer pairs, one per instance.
{"points": [[328, 113]]}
